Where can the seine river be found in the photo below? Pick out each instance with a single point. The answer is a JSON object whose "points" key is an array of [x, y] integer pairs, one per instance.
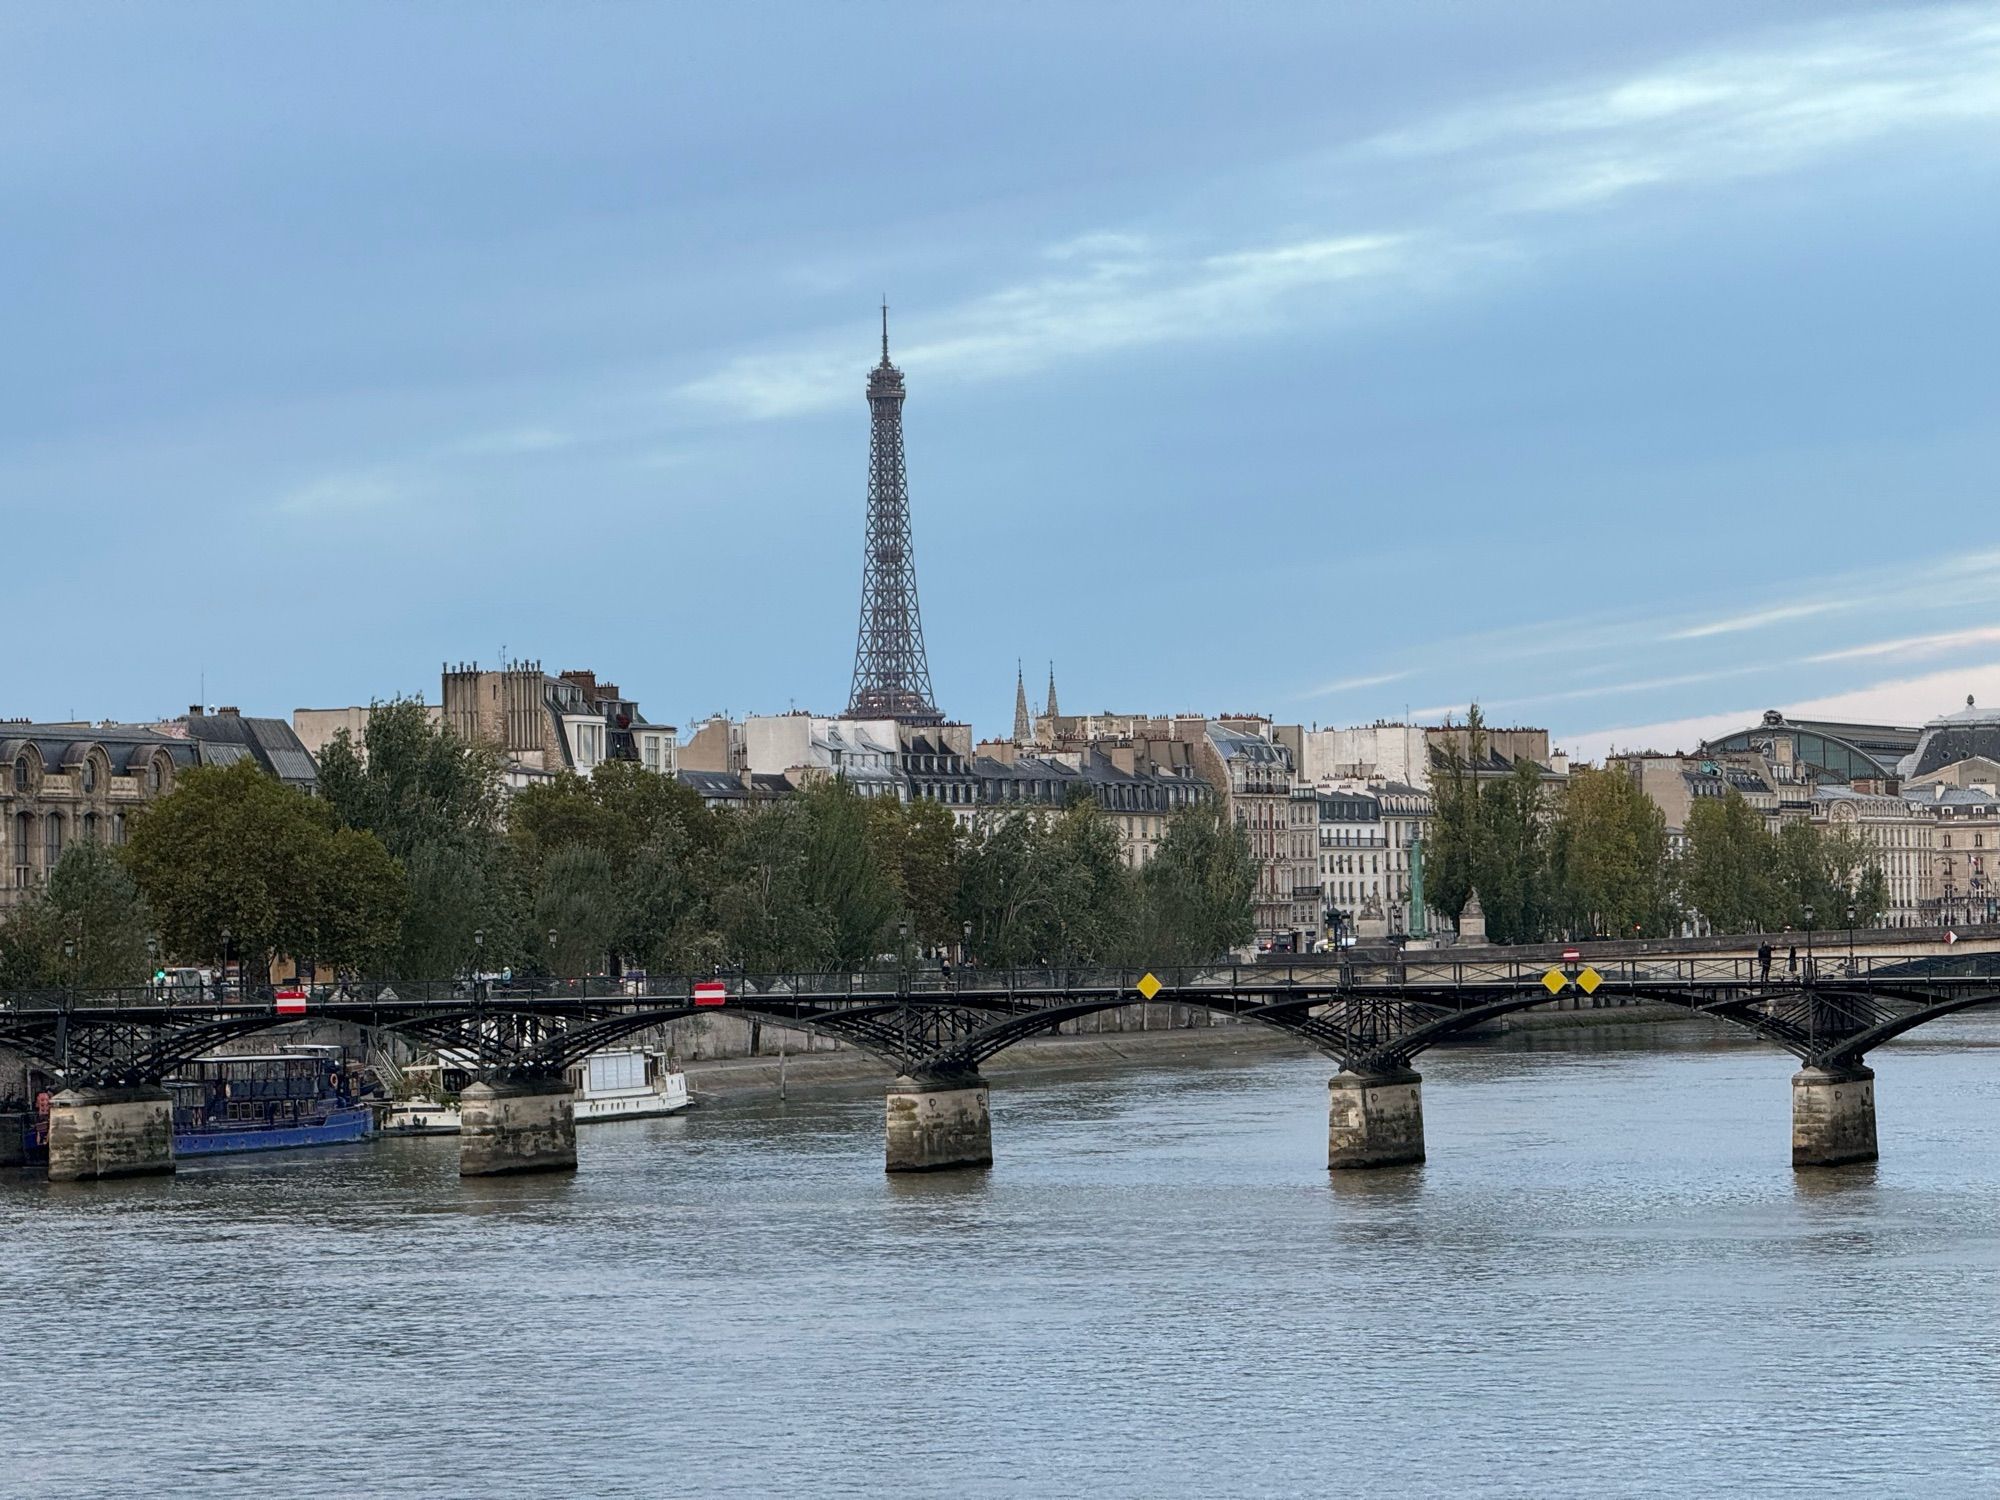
{"points": [[1606, 1281]]}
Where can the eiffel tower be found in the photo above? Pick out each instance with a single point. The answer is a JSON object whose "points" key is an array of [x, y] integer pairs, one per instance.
{"points": [[892, 680]]}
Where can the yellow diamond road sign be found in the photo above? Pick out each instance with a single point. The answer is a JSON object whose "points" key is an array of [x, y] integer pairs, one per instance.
{"points": [[1554, 980], [1149, 986], [1589, 980]]}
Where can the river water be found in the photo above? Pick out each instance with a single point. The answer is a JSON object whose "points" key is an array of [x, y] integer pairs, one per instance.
{"points": [[1607, 1280]]}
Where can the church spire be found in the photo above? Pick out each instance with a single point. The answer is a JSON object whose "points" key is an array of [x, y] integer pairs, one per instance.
{"points": [[1052, 690], [1023, 730]]}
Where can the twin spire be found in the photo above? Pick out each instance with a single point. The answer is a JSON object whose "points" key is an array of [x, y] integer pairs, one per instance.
{"points": [[1024, 727]]}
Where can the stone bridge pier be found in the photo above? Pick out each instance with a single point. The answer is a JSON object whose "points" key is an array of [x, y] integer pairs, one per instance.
{"points": [[1833, 1116], [1374, 1119], [522, 1125], [933, 1124], [97, 1133]]}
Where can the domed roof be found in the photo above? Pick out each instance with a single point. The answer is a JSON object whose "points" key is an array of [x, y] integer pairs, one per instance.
{"points": [[1968, 732]]}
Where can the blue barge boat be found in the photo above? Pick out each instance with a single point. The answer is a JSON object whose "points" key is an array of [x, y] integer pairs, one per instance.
{"points": [[277, 1101]]}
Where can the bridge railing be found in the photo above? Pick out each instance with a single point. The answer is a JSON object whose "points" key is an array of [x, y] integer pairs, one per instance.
{"points": [[1080, 981]]}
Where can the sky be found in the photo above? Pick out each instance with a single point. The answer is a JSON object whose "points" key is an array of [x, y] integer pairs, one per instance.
{"points": [[1625, 369]]}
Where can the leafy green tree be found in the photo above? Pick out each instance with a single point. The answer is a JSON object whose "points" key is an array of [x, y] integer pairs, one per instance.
{"points": [[231, 848], [767, 918], [577, 899], [1454, 845], [91, 904], [841, 875], [410, 782], [668, 920], [1611, 856], [920, 847], [1041, 889], [435, 802], [1198, 889], [1728, 871]]}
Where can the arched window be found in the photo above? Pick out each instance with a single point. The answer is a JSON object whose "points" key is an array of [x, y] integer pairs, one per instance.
{"points": [[89, 774], [20, 773], [24, 849], [90, 832], [52, 841], [118, 828], [158, 775]]}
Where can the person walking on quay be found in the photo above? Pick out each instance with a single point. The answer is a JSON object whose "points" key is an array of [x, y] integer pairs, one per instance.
{"points": [[1792, 959], [1764, 961]]}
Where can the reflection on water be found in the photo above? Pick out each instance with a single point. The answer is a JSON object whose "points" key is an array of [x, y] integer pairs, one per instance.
{"points": [[1606, 1280]]}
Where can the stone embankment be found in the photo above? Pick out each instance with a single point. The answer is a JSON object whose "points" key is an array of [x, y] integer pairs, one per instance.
{"points": [[716, 1051]]}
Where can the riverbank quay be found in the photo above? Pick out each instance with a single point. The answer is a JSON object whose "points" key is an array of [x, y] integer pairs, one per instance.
{"points": [[805, 1074]]}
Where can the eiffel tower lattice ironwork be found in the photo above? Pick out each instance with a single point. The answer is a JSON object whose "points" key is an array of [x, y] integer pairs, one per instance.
{"points": [[892, 679]]}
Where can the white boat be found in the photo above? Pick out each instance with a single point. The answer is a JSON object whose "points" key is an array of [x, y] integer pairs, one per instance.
{"points": [[420, 1117], [425, 1097], [627, 1084]]}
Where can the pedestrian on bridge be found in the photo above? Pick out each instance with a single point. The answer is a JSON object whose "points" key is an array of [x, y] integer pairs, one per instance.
{"points": [[1764, 961]]}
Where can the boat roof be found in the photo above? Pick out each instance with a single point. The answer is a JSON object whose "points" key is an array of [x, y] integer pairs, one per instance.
{"points": [[318, 1054]]}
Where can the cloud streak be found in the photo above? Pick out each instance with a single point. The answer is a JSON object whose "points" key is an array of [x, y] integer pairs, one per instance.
{"points": [[1484, 175]]}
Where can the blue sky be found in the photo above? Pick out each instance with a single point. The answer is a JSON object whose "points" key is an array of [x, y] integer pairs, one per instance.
{"points": [[1629, 369]]}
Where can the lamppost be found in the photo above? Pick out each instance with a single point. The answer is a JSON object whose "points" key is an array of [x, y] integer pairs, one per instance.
{"points": [[965, 945], [62, 1024], [1809, 914], [478, 960], [1850, 937], [153, 960], [228, 952], [903, 949], [552, 961]]}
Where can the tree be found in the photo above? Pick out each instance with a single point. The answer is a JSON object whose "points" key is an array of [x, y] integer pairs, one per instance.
{"points": [[411, 782], [1198, 889], [920, 847], [1048, 889], [576, 898], [842, 875], [434, 800], [233, 849], [1611, 856], [1453, 848], [767, 919], [1727, 871], [91, 904]]}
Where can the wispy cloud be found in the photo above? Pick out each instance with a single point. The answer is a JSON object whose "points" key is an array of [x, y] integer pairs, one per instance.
{"points": [[1901, 700], [343, 494], [1353, 684], [1777, 615], [1490, 179], [1121, 298], [1914, 647]]}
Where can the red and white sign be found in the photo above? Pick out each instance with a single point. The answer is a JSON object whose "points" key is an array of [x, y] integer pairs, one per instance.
{"points": [[1950, 938], [290, 1002], [711, 992], [1571, 955]]}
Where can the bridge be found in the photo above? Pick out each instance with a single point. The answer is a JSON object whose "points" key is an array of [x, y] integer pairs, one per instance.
{"points": [[1373, 1018]]}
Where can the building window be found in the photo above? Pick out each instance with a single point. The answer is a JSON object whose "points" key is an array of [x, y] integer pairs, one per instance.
{"points": [[90, 828], [89, 774], [52, 841], [24, 844], [20, 773], [118, 828]]}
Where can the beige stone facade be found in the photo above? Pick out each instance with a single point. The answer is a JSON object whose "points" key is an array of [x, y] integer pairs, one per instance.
{"points": [[64, 782]]}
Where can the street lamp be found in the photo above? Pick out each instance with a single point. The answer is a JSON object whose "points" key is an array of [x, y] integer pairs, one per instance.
{"points": [[1809, 914], [1850, 937], [228, 952], [903, 949], [965, 944]]}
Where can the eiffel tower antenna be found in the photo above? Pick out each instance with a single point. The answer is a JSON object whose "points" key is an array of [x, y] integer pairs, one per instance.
{"points": [[892, 678]]}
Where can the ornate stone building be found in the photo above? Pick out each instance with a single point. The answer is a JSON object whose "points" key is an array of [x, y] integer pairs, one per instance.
{"points": [[63, 782]]}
